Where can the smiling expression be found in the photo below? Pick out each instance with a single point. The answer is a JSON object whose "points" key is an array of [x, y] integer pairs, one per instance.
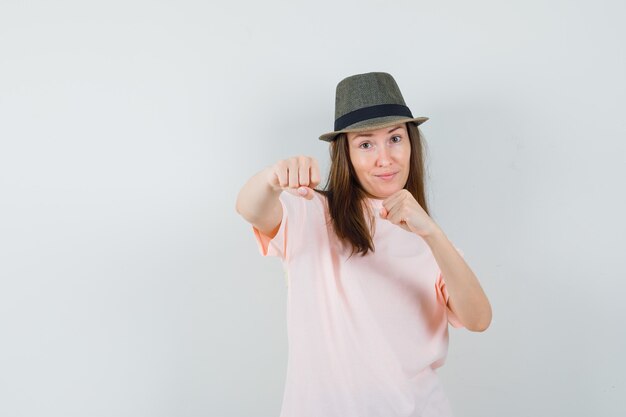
{"points": [[381, 159]]}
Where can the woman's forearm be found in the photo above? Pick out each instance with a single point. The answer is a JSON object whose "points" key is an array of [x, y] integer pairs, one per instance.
{"points": [[258, 202], [466, 296]]}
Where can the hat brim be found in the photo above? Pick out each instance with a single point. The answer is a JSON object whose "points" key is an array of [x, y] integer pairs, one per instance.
{"points": [[373, 124]]}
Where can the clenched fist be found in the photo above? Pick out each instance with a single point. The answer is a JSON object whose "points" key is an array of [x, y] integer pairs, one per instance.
{"points": [[297, 175], [403, 210]]}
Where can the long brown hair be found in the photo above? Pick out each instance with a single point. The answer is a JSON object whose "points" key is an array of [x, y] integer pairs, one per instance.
{"points": [[346, 196]]}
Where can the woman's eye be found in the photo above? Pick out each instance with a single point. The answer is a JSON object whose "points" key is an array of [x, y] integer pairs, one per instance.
{"points": [[399, 138], [362, 146]]}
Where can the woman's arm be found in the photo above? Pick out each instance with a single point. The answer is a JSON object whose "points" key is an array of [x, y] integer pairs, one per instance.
{"points": [[466, 297]]}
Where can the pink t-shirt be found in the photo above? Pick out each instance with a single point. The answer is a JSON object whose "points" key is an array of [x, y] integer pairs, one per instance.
{"points": [[365, 334]]}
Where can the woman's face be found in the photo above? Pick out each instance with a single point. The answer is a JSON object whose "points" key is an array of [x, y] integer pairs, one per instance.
{"points": [[381, 159]]}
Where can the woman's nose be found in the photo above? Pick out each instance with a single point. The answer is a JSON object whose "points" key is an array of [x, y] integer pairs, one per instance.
{"points": [[383, 157]]}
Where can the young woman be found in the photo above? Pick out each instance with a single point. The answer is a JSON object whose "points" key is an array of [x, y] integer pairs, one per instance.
{"points": [[372, 280]]}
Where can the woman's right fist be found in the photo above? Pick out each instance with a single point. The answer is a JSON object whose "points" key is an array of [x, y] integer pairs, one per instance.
{"points": [[297, 175]]}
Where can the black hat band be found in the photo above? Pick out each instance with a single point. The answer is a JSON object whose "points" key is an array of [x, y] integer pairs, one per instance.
{"points": [[372, 112]]}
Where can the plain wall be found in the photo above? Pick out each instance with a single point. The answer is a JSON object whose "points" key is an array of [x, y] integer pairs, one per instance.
{"points": [[129, 286]]}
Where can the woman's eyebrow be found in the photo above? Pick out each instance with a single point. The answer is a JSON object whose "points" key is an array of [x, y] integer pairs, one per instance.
{"points": [[371, 134]]}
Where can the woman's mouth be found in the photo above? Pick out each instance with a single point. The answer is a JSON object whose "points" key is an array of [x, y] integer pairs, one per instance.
{"points": [[387, 177]]}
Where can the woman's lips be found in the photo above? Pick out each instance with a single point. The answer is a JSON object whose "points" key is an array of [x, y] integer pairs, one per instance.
{"points": [[387, 177]]}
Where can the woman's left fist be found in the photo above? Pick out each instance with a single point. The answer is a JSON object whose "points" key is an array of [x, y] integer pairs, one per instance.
{"points": [[402, 209]]}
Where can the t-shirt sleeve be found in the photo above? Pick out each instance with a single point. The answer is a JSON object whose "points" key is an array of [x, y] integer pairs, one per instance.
{"points": [[442, 294], [279, 245]]}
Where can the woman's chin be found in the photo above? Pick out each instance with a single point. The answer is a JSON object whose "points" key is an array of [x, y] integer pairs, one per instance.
{"points": [[382, 194]]}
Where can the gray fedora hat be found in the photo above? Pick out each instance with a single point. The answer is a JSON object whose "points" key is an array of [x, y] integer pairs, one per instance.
{"points": [[367, 102]]}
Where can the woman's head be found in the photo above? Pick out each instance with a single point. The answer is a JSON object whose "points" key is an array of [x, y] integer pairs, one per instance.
{"points": [[357, 161], [376, 150]]}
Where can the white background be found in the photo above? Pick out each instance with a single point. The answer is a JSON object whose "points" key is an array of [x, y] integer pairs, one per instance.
{"points": [[129, 286]]}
